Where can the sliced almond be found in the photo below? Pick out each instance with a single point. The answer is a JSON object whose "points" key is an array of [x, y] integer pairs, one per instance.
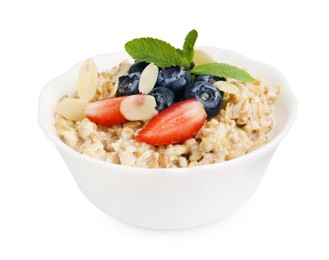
{"points": [[200, 57], [138, 107], [148, 78], [71, 108], [114, 89], [87, 80], [227, 87]]}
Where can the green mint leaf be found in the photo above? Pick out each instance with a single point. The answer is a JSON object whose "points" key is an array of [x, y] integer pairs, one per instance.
{"points": [[222, 70], [189, 43], [155, 51], [182, 54]]}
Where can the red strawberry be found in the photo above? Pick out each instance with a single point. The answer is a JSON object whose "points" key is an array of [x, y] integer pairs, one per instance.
{"points": [[175, 124], [105, 112]]}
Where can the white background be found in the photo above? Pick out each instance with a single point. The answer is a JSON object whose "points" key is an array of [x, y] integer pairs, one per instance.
{"points": [[43, 213]]}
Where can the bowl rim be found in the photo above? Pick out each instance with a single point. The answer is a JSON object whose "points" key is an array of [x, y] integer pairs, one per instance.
{"points": [[261, 150]]}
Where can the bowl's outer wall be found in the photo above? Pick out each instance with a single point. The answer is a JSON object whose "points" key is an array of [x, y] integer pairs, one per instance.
{"points": [[168, 201]]}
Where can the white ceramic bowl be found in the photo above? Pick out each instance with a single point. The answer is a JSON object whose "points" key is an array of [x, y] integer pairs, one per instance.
{"points": [[170, 198]]}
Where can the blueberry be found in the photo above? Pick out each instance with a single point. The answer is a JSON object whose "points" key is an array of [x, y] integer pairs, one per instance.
{"points": [[128, 85], [210, 79], [175, 78], [209, 95], [138, 66], [164, 98]]}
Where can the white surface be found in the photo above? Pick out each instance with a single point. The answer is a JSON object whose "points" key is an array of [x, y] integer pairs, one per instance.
{"points": [[170, 198], [43, 213]]}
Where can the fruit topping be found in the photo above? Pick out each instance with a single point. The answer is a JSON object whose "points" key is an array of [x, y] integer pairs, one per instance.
{"points": [[163, 75], [128, 85], [148, 78], [164, 98], [175, 124], [105, 112], [71, 108], [87, 80], [137, 67], [175, 78], [227, 87], [138, 107], [209, 95]]}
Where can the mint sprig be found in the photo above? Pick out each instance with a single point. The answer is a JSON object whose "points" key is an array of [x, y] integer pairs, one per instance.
{"points": [[154, 50], [222, 70], [163, 55], [188, 47]]}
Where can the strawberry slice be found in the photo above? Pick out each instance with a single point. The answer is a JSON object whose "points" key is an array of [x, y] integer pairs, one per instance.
{"points": [[105, 112], [175, 124]]}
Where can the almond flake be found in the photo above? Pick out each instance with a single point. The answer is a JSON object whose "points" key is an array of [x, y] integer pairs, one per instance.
{"points": [[87, 80], [71, 108], [148, 78], [138, 107], [200, 57], [227, 87]]}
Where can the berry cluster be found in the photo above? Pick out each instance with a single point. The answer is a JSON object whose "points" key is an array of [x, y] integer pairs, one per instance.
{"points": [[175, 84]]}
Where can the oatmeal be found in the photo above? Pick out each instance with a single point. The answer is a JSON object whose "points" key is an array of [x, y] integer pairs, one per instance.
{"points": [[171, 108], [240, 127]]}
